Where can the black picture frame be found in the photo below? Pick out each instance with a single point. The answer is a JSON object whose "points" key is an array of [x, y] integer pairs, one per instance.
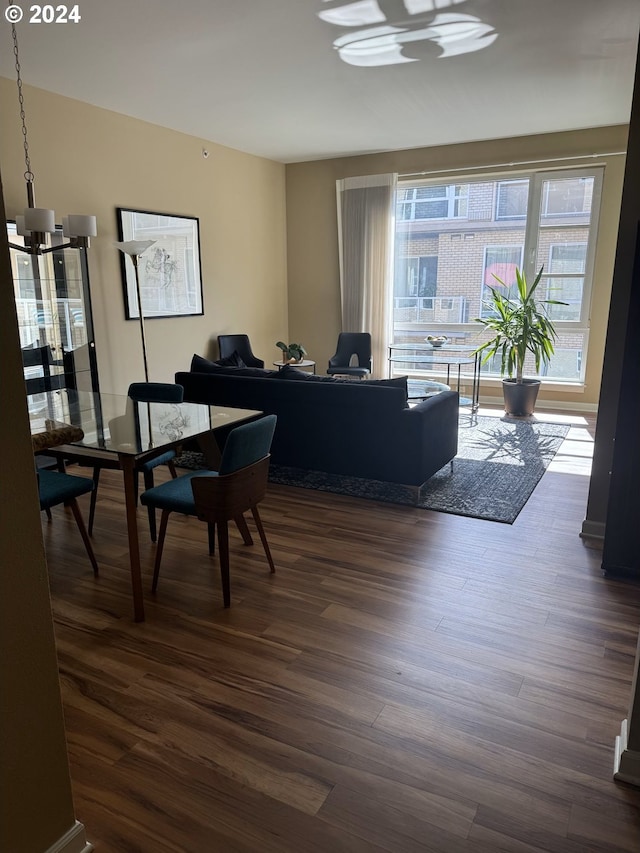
{"points": [[169, 270]]}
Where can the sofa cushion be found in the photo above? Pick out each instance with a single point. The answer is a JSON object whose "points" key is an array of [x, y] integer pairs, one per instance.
{"points": [[395, 382], [203, 365], [290, 371], [250, 371]]}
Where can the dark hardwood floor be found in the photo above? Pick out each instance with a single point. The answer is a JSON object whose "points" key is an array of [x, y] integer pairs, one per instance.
{"points": [[406, 681]]}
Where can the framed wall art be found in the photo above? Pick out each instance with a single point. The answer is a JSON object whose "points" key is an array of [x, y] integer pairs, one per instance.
{"points": [[169, 270]]}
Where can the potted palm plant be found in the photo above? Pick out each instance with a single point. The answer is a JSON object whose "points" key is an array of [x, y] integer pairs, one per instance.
{"points": [[520, 324]]}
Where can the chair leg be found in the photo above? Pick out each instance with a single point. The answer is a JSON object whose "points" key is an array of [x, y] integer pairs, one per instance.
{"points": [[94, 498], [172, 469], [223, 545], [263, 538], [164, 518], [211, 530], [244, 530], [75, 509], [148, 484], [48, 512]]}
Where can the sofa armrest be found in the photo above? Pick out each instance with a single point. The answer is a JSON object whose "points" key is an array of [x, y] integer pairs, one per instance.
{"points": [[441, 405], [430, 430]]}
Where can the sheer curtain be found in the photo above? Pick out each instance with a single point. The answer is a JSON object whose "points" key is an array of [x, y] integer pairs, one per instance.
{"points": [[365, 239]]}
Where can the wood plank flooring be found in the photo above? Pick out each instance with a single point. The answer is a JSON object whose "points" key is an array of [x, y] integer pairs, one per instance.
{"points": [[406, 681]]}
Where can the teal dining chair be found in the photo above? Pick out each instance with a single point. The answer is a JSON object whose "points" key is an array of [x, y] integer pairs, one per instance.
{"points": [[56, 488], [145, 392], [218, 497]]}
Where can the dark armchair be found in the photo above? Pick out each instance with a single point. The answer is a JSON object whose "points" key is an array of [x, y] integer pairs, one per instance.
{"points": [[229, 344], [351, 344]]}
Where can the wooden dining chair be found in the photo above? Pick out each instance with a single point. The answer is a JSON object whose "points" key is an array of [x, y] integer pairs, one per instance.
{"points": [[56, 488], [218, 497]]}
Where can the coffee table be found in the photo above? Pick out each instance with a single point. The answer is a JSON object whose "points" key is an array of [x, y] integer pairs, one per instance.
{"points": [[422, 389]]}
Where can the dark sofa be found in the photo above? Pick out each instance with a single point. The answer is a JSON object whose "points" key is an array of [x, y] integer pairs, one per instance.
{"points": [[362, 429]]}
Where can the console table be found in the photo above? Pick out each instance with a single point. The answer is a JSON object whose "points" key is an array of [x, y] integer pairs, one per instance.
{"points": [[448, 360]]}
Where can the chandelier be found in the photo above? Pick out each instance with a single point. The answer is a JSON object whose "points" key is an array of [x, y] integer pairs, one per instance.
{"points": [[37, 223]]}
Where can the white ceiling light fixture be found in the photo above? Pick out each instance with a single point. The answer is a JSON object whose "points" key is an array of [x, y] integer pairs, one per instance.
{"points": [[37, 223], [388, 40]]}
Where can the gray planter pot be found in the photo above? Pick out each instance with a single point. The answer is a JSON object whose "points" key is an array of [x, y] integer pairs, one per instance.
{"points": [[520, 397]]}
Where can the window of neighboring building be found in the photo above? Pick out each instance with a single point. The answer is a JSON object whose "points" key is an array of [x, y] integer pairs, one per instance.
{"points": [[416, 276], [511, 199], [433, 202]]}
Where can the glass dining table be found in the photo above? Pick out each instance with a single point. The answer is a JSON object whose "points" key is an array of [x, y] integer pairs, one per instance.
{"points": [[118, 432]]}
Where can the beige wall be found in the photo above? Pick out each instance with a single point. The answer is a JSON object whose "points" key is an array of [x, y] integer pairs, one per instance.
{"points": [[89, 160], [35, 790], [314, 289]]}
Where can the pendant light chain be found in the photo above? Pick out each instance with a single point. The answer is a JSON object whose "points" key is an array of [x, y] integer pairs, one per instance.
{"points": [[28, 175], [37, 223]]}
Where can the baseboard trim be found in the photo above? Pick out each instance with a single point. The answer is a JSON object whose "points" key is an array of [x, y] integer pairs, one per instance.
{"points": [[592, 529], [626, 762], [542, 404], [73, 841]]}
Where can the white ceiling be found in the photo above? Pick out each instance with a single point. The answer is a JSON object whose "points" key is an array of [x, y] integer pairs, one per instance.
{"points": [[263, 76]]}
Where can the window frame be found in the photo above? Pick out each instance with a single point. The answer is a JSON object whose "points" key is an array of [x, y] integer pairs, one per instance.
{"points": [[533, 226]]}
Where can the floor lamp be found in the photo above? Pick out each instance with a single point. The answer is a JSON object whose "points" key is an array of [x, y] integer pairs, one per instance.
{"points": [[134, 248]]}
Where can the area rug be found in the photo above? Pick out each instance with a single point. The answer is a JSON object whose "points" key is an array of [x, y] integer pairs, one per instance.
{"points": [[499, 464]]}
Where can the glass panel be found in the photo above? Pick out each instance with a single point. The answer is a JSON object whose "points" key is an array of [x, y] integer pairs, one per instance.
{"points": [[50, 304], [445, 264], [500, 262], [563, 255], [567, 197], [570, 259]]}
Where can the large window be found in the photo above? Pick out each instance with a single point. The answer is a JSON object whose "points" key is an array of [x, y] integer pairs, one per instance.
{"points": [[452, 240]]}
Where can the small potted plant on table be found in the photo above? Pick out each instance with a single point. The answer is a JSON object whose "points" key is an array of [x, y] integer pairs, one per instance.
{"points": [[291, 353], [521, 324]]}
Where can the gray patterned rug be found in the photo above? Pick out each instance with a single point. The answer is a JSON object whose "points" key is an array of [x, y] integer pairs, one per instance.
{"points": [[499, 464]]}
